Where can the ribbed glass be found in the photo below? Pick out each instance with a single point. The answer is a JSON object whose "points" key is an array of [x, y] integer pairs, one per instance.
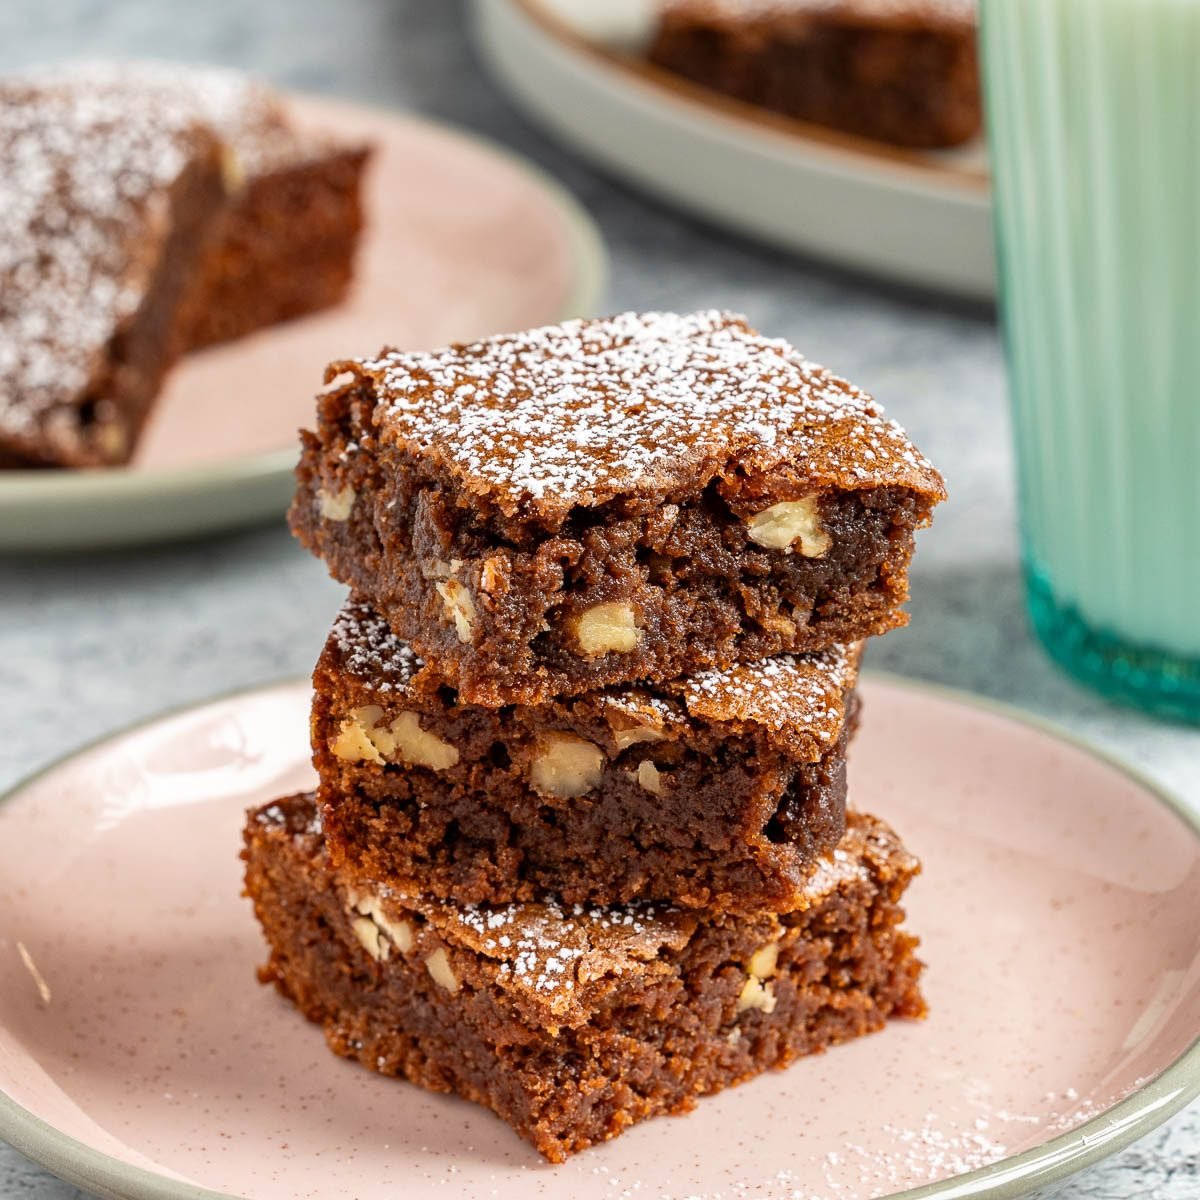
{"points": [[1093, 110]]}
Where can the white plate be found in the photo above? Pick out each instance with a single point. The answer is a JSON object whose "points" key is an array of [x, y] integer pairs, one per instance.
{"points": [[436, 265], [915, 218]]}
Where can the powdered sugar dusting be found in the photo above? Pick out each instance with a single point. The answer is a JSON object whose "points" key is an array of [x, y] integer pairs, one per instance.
{"points": [[578, 413], [804, 690], [370, 650], [553, 952], [801, 696], [246, 114]]}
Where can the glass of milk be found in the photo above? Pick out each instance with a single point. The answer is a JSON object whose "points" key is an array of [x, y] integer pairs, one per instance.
{"points": [[1093, 109]]}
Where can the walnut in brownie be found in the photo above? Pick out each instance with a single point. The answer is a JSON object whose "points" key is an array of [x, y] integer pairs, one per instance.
{"points": [[635, 498], [717, 791], [571, 1023], [285, 245], [899, 71], [106, 204]]}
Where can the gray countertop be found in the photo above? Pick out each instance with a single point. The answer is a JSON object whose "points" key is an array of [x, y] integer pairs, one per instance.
{"points": [[91, 644]]}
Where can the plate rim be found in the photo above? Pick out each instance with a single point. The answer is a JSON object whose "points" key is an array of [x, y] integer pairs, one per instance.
{"points": [[66, 490], [1011, 1178]]}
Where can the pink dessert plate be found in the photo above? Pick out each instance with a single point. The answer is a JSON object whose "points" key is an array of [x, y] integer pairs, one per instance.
{"points": [[1058, 910], [463, 240]]}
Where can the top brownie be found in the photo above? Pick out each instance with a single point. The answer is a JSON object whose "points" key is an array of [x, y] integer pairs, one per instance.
{"points": [[612, 500]]}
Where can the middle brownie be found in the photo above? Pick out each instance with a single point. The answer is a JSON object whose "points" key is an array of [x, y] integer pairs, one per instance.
{"points": [[719, 790]]}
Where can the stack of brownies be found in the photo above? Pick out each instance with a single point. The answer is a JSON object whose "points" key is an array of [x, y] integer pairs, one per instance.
{"points": [[580, 850]]}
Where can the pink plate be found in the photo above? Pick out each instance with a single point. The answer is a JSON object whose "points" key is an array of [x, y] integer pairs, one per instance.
{"points": [[139, 1057], [462, 240]]}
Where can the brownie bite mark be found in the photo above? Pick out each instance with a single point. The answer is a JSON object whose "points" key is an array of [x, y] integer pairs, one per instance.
{"points": [[718, 792], [638, 497], [106, 205], [572, 1022]]}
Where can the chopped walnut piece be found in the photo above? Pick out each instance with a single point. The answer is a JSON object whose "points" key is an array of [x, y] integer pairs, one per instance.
{"points": [[336, 506], [789, 522], [363, 739], [640, 728], [566, 766], [756, 995], [400, 933], [649, 777], [457, 600], [369, 937], [438, 966], [605, 628], [460, 607], [418, 746], [355, 740], [762, 964]]}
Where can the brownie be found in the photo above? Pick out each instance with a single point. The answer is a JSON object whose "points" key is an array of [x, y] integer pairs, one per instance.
{"points": [[285, 245], [106, 205], [717, 791], [900, 71], [571, 1023], [639, 497]]}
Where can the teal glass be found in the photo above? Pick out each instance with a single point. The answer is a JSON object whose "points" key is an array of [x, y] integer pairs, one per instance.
{"points": [[1093, 110]]}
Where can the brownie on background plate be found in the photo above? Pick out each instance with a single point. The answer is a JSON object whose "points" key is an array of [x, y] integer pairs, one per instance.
{"points": [[106, 209], [899, 71], [150, 209], [285, 244]]}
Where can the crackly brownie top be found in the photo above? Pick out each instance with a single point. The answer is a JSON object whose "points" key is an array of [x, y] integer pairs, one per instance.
{"points": [[765, 14], [648, 404], [246, 114], [797, 701], [561, 956], [83, 182]]}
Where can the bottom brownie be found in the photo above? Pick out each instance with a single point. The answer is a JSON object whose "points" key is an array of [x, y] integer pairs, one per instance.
{"points": [[573, 1023]]}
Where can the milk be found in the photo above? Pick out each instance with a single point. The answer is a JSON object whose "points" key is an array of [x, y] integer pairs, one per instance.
{"points": [[1094, 126]]}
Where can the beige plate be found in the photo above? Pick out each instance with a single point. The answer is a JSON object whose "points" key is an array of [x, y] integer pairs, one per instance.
{"points": [[463, 240]]}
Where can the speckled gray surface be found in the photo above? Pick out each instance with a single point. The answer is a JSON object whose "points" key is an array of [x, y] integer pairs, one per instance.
{"points": [[90, 644]]}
